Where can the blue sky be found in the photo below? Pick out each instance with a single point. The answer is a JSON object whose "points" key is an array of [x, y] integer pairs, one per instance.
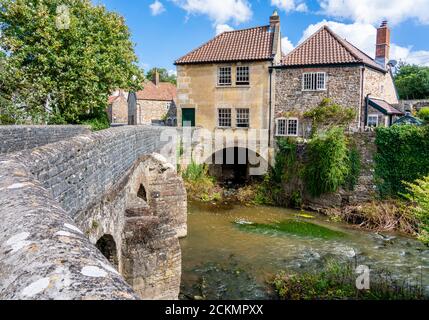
{"points": [[164, 30]]}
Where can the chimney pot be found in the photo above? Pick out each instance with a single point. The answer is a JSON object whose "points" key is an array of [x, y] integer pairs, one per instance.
{"points": [[382, 50]]}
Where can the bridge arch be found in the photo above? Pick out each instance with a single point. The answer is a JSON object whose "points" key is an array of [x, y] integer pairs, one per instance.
{"points": [[236, 164], [107, 246]]}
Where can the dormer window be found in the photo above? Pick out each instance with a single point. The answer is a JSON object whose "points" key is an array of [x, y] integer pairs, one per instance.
{"points": [[224, 76], [314, 81], [243, 78]]}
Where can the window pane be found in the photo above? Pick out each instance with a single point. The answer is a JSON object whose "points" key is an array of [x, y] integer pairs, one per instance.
{"points": [[242, 75], [224, 76], [281, 127], [224, 117], [292, 128], [373, 121], [314, 81], [243, 118]]}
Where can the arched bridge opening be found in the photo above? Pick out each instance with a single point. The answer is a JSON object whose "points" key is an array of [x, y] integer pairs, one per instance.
{"points": [[107, 245]]}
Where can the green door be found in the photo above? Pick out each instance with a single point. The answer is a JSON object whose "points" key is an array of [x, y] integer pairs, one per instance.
{"points": [[188, 117]]}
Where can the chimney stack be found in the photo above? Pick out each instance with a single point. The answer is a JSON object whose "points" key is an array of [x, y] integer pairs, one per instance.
{"points": [[274, 20], [382, 50], [156, 77]]}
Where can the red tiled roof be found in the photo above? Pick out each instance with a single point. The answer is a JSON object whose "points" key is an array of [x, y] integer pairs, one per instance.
{"points": [[326, 47], [389, 109], [164, 91], [240, 45]]}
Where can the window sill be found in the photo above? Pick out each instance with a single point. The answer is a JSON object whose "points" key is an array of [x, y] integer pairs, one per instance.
{"points": [[233, 128], [322, 90], [233, 86]]}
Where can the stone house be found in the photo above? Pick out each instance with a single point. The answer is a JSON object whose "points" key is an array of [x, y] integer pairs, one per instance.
{"points": [[155, 104], [327, 66], [225, 83], [118, 108]]}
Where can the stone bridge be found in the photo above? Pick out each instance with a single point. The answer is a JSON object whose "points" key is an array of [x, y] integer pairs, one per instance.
{"points": [[88, 215]]}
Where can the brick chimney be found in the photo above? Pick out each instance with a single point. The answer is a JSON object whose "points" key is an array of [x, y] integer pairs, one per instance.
{"points": [[383, 45], [155, 77]]}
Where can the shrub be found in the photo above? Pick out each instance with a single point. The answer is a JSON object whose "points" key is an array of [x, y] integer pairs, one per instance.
{"points": [[199, 184], [97, 123], [326, 168], [329, 115], [337, 280], [419, 195], [424, 114], [354, 165], [402, 156]]}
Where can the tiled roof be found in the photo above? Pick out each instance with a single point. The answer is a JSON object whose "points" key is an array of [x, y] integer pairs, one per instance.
{"points": [[326, 47], [386, 107], [164, 91], [240, 45]]}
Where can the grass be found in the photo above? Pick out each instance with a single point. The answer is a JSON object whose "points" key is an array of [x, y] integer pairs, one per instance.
{"points": [[337, 281], [292, 227], [199, 184]]}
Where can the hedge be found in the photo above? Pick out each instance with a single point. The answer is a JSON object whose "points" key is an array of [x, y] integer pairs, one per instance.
{"points": [[402, 156]]}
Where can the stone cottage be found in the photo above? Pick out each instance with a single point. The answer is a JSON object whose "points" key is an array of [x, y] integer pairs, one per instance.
{"points": [[225, 83], [155, 104], [327, 66], [118, 108]]}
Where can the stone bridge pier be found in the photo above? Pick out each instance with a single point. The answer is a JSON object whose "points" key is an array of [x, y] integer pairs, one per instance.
{"points": [[91, 216]]}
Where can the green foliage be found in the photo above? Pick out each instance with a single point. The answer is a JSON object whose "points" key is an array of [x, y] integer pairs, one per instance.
{"points": [[412, 81], [327, 166], [199, 184], [424, 114], [354, 165], [337, 280], [419, 195], [69, 70], [328, 115], [164, 75], [98, 123], [402, 155], [292, 227]]}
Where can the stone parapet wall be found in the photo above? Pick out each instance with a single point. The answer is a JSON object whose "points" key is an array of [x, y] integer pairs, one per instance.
{"points": [[58, 200], [18, 138], [43, 254], [80, 170]]}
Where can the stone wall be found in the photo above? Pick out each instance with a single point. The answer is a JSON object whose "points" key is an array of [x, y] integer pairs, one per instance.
{"points": [[17, 138], [413, 105], [118, 110], [154, 110], [343, 87], [380, 85], [92, 181], [197, 88]]}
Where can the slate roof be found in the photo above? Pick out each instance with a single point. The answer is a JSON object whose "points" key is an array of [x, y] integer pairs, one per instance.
{"points": [[164, 91], [324, 48], [240, 45], [384, 107]]}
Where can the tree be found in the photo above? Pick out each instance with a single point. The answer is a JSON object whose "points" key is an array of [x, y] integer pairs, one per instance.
{"points": [[164, 75], [412, 81], [64, 58]]}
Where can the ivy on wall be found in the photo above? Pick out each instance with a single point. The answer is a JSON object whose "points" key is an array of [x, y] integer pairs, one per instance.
{"points": [[402, 156]]}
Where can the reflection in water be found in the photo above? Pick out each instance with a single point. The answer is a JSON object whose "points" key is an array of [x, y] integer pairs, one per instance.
{"points": [[224, 261]]}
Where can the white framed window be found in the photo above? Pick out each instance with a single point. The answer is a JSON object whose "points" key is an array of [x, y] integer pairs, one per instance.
{"points": [[224, 76], [243, 77], [314, 81], [287, 127], [224, 117], [373, 120], [243, 117]]}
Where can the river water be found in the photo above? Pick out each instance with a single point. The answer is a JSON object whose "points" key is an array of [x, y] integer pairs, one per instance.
{"points": [[220, 260]]}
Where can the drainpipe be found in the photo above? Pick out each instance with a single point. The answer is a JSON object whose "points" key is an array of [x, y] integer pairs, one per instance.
{"points": [[270, 105], [366, 109]]}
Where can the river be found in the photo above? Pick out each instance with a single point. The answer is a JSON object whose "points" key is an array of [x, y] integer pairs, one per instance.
{"points": [[222, 260]]}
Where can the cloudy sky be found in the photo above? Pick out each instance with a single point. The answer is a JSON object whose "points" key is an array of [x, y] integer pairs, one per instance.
{"points": [[164, 30]]}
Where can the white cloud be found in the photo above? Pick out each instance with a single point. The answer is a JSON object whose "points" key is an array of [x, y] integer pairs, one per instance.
{"points": [[363, 36], [172, 72], [220, 12], [290, 5], [223, 28], [157, 8], [287, 45], [374, 11]]}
